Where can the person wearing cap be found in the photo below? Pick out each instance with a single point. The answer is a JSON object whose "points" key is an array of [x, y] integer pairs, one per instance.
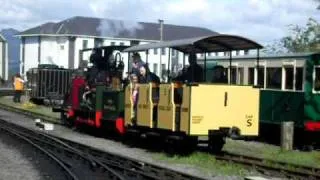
{"points": [[136, 64], [193, 73]]}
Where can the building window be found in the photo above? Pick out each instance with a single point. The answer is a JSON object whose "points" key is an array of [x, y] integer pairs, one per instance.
{"points": [[155, 51], [61, 47], [316, 79], [173, 52], [112, 43], [237, 52], [163, 70], [246, 52], [84, 44], [121, 43], [163, 51], [155, 68]]}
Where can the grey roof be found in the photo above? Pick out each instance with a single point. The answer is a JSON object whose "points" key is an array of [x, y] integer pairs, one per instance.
{"points": [[213, 43], [263, 56], [89, 26]]}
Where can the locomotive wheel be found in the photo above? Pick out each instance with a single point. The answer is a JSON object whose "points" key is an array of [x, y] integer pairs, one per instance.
{"points": [[180, 145], [216, 143], [65, 120]]}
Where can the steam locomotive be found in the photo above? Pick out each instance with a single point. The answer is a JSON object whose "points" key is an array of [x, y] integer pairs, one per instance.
{"points": [[176, 113]]}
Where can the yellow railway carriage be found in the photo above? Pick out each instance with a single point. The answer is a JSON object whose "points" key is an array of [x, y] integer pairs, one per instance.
{"points": [[180, 112]]}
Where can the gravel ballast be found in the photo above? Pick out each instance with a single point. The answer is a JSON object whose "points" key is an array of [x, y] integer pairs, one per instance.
{"points": [[20, 160], [110, 146]]}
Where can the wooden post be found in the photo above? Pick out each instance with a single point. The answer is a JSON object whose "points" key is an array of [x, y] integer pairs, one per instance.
{"points": [[287, 131], [27, 95]]}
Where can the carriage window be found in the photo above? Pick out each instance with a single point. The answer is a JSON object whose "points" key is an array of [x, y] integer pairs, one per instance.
{"points": [[317, 79], [236, 75], [274, 77], [261, 76], [288, 74], [233, 75], [251, 76], [241, 74], [299, 78]]}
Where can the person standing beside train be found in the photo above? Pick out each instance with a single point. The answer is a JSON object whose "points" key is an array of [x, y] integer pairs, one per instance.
{"points": [[18, 84]]}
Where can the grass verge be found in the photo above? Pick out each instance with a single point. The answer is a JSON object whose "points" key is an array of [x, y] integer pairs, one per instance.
{"points": [[272, 152], [7, 100], [207, 164]]}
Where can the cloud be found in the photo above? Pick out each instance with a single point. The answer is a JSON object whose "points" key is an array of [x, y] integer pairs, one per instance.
{"points": [[260, 20]]}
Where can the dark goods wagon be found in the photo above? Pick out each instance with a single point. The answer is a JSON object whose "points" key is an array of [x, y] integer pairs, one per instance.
{"points": [[48, 84]]}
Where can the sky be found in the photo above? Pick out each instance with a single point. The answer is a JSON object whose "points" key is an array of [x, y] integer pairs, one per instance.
{"points": [[261, 20]]}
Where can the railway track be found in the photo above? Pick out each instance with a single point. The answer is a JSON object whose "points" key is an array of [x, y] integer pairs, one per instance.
{"points": [[267, 167], [96, 164], [271, 167]]}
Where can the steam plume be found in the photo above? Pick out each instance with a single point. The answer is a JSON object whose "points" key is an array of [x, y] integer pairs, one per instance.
{"points": [[116, 28]]}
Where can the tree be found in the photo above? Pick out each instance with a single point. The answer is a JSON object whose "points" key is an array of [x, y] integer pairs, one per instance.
{"points": [[301, 39]]}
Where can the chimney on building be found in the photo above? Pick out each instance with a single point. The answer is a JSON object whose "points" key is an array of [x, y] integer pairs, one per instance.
{"points": [[161, 29]]}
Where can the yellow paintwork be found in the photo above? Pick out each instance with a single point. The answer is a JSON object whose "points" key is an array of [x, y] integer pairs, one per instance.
{"points": [[145, 106], [208, 110], [204, 107], [166, 107], [185, 110], [115, 83], [128, 105]]}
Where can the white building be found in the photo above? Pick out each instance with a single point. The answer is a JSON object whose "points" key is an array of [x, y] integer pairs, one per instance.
{"points": [[3, 58], [60, 43]]}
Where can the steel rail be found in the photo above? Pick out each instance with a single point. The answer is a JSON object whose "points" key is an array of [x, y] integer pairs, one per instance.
{"points": [[43, 139], [282, 168], [61, 164], [129, 167]]}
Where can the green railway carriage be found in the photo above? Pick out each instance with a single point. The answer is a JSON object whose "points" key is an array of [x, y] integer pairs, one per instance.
{"points": [[289, 91]]}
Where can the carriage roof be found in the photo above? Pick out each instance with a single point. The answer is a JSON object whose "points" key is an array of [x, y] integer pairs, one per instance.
{"points": [[203, 44]]}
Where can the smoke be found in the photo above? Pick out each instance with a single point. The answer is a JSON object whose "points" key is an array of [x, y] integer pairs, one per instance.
{"points": [[115, 28], [49, 60]]}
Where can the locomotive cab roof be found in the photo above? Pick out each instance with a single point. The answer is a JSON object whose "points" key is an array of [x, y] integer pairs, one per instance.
{"points": [[203, 44]]}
